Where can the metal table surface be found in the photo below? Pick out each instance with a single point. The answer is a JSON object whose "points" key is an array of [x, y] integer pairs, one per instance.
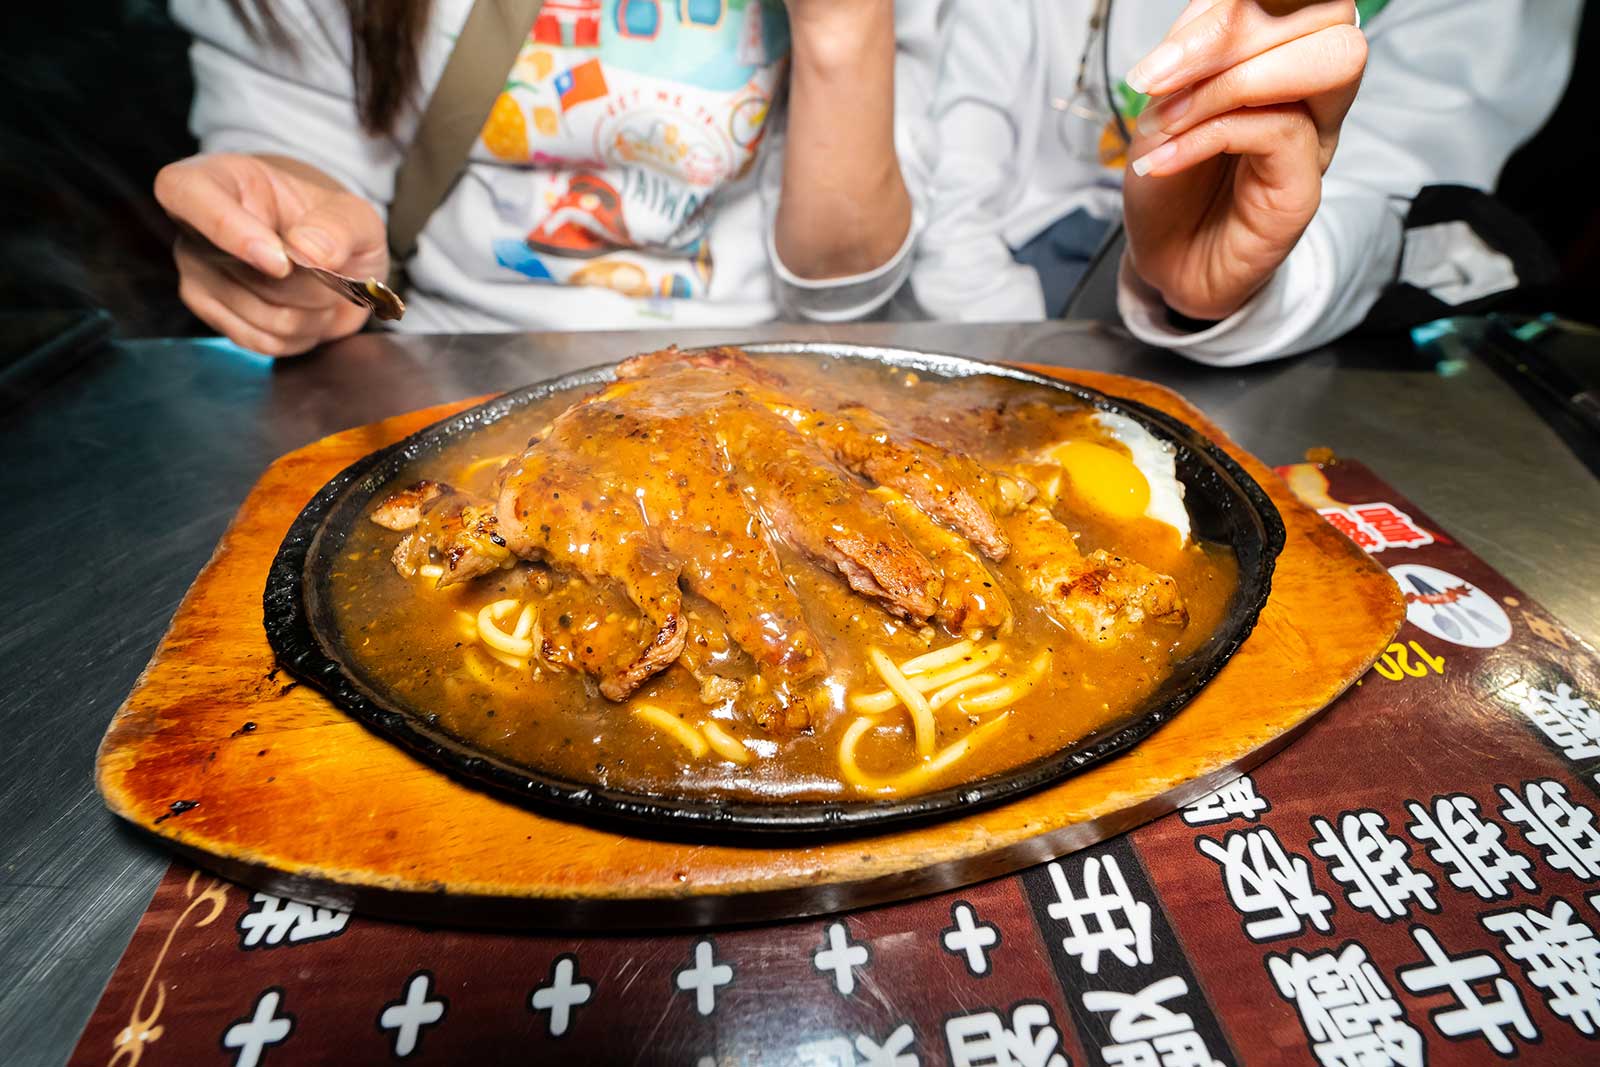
{"points": [[121, 477]]}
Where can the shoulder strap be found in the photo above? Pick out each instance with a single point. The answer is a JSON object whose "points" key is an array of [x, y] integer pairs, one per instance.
{"points": [[473, 77]]}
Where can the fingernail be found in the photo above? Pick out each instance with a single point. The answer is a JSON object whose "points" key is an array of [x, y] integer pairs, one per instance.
{"points": [[314, 244], [1158, 118], [1154, 158], [267, 257], [1154, 68]]}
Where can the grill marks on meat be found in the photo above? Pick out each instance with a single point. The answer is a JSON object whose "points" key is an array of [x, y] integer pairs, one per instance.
{"points": [[953, 489], [1100, 597], [454, 529], [686, 476], [403, 510], [972, 598], [825, 514]]}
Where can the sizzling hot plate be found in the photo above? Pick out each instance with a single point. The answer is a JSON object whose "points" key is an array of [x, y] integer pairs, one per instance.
{"points": [[1225, 506]]}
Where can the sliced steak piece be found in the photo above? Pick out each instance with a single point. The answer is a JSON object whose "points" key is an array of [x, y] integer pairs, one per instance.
{"points": [[726, 359], [819, 510], [1100, 597], [448, 527], [960, 493], [972, 598], [555, 507], [403, 510]]}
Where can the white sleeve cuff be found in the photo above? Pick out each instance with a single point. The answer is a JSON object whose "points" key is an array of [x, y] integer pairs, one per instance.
{"points": [[842, 299], [1253, 334], [1323, 289]]}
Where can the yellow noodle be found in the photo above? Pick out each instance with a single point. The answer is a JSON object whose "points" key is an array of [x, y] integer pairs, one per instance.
{"points": [[473, 468], [955, 689], [956, 671], [922, 772], [670, 724], [725, 744], [514, 662], [524, 623], [883, 700], [921, 715], [431, 570], [490, 634], [467, 623], [937, 658], [1004, 696]]}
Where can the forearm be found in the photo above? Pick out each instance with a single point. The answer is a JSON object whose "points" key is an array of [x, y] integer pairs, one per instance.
{"points": [[844, 208]]}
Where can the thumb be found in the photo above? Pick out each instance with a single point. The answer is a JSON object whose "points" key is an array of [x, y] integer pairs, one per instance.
{"points": [[340, 232]]}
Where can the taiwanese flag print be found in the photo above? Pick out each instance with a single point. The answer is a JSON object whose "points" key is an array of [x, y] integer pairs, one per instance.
{"points": [[584, 82]]}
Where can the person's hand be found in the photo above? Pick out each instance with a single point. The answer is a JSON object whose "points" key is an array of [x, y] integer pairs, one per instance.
{"points": [[1227, 165], [241, 284]]}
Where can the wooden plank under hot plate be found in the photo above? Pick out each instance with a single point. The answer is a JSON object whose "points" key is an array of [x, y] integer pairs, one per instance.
{"points": [[296, 798]]}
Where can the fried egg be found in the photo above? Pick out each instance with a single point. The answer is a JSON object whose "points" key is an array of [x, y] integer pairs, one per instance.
{"points": [[1142, 482]]}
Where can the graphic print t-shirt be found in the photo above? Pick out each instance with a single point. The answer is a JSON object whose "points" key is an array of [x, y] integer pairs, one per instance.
{"points": [[618, 124]]}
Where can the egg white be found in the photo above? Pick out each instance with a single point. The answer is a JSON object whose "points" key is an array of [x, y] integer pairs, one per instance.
{"points": [[1157, 461]]}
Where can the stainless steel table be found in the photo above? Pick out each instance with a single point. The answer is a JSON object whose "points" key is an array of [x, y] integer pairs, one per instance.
{"points": [[119, 479]]}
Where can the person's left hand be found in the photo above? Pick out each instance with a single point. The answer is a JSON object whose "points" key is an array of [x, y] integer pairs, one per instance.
{"points": [[1227, 165]]}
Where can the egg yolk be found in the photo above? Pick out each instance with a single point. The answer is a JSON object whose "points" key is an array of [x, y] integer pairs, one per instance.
{"points": [[1104, 478]]}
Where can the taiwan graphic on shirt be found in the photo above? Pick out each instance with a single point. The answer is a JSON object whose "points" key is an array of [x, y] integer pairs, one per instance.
{"points": [[618, 124]]}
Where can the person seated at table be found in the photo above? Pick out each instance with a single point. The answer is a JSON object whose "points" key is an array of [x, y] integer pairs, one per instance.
{"points": [[1264, 201], [648, 163]]}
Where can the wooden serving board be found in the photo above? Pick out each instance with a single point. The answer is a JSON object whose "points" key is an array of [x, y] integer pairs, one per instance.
{"points": [[292, 796]]}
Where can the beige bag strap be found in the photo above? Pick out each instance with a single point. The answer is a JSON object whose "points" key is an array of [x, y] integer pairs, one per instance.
{"points": [[474, 76]]}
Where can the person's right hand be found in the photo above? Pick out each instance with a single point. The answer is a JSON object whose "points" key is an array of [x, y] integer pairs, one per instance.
{"points": [[248, 208]]}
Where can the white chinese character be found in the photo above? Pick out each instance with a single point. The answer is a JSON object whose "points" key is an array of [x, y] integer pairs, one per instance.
{"points": [[1566, 719], [1559, 954], [263, 1028], [274, 920], [1564, 831], [1469, 847], [1347, 1008], [1263, 879], [969, 938], [408, 1016], [704, 976], [1101, 901], [841, 1051], [1145, 1032], [1236, 800], [1472, 1015], [1373, 867], [564, 995], [982, 1039]]}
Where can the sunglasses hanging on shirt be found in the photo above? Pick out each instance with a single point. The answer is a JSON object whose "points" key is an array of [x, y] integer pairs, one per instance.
{"points": [[1083, 116]]}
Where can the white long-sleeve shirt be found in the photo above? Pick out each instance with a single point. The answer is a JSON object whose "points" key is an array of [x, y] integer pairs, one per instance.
{"points": [[629, 174], [1451, 88]]}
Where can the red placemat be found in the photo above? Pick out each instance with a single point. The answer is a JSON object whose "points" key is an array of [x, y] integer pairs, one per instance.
{"points": [[1416, 880]]}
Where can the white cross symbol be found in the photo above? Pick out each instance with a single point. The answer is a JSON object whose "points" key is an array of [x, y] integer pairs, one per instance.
{"points": [[410, 1015], [841, 957], [252, 1036], [561, 995], [704, 977], [971, 937]]}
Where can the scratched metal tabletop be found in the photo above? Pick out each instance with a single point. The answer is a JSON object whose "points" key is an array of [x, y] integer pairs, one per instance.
{"points": [[119, 479]]}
